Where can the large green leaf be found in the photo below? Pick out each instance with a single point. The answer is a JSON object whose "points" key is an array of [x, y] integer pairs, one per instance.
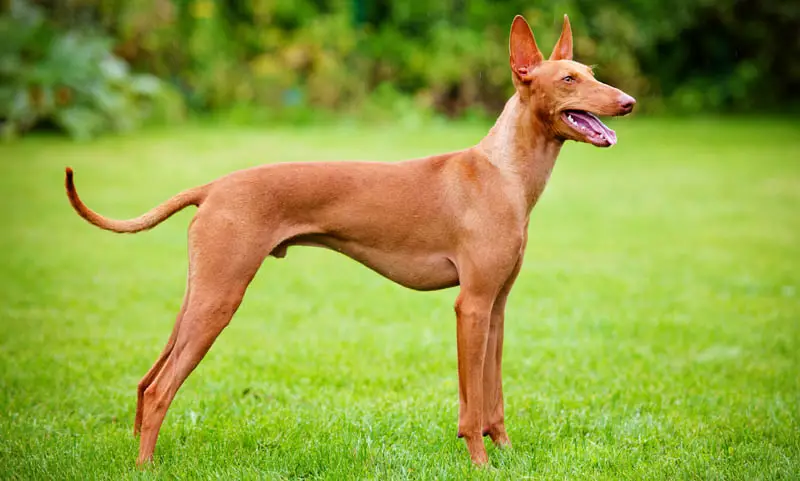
{"points": [[80, 122]]}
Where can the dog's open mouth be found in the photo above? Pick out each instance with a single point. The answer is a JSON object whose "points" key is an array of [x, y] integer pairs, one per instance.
{"points": [[588, 125]]}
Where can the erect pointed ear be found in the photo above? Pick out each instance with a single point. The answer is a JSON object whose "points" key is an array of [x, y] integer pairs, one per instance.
{"points": [[563, 48], [525, 55]]}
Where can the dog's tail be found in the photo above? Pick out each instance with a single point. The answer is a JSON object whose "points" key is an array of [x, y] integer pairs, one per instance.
{"points": [[145, 221]]}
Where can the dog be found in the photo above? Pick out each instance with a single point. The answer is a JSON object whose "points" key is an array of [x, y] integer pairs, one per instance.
{"points": [[458, 219]]}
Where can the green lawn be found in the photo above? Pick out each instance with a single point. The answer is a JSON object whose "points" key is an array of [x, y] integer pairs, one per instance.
{"points": [[654, 332]]}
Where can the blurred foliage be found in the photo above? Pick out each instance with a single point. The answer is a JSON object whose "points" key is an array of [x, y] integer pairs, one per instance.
{"points": [[70, 79], [382, 58]]}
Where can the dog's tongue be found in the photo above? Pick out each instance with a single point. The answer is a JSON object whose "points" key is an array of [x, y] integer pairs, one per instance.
{"points": [[595, 124]]}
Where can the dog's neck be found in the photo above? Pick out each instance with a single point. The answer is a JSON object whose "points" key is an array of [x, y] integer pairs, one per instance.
{"points": [[522, 146]]}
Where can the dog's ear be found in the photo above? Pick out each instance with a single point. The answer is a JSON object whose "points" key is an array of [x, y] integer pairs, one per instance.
{"points": [[563, 48], [525, 55]]}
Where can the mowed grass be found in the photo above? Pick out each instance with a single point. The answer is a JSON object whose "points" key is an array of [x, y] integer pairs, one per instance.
{"points": [[654, 332]]}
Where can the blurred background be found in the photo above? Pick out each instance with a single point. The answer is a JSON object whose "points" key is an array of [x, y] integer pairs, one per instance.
{"points": [[87, 66], [653, 333]]}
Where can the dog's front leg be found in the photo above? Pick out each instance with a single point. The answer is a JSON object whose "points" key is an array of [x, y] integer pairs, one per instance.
{"points": [[493, 409], [473, 312]]}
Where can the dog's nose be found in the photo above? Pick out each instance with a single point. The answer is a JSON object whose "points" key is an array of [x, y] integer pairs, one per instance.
{"points": [[626, 103]]}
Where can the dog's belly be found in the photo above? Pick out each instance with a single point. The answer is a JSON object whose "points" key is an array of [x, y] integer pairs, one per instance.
{"points": [[422, 271]]}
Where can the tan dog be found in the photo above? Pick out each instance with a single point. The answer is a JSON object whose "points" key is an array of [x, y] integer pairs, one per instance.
{"points": [[457, 219]]}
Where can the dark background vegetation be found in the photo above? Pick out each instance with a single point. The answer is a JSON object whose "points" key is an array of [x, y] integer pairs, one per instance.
{"points": [[85, 66]]}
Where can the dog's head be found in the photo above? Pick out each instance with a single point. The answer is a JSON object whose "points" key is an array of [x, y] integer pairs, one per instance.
{"points": [[563, 94]]}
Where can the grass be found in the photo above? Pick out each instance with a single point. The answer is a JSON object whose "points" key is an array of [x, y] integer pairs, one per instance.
{"points": [[654, 332]]}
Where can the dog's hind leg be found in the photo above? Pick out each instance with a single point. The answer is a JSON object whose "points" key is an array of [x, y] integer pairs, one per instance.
{"points": [[154, 370], [223, 260]]}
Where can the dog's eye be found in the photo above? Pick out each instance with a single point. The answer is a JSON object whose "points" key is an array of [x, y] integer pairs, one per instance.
{"points": [[569, 79]]}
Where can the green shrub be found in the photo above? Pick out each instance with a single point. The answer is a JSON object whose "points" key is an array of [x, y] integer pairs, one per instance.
{"points": [[289, 60], [71, 80]]}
